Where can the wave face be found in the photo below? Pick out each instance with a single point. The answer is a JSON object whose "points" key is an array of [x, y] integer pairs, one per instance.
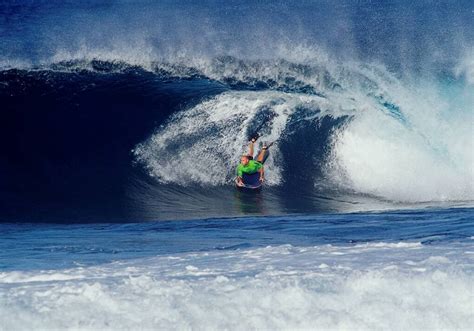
{"points": [[156, 117]]}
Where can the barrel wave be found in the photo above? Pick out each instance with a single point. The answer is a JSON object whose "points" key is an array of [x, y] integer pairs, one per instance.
{"points": [[149, 109], [347, 131]]}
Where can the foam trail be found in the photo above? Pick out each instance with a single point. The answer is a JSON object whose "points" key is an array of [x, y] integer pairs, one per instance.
{"points": [[200, 144]]}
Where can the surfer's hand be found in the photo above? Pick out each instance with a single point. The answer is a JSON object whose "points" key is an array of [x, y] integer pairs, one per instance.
{"points": [[262, 179]]}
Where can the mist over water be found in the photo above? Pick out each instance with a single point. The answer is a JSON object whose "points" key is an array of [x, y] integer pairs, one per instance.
{"points": [[401, 34]]}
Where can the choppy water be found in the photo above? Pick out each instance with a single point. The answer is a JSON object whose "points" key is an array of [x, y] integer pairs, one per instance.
{"points": [[391, 270]]}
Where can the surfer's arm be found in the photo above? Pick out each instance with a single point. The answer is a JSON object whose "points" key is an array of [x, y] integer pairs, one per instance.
{"points": [[262, 174], [239, 175], [239, 171]]}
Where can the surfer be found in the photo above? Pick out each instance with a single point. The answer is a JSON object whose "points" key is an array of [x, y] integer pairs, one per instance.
{"points": [[250, 166]]}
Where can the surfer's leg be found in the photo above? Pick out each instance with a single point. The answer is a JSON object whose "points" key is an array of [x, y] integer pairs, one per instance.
{"points": [[251, 148], [261, 155]]}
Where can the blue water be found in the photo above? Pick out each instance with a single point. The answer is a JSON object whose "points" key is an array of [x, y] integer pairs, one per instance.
{"points": [[122, 122], [31, 247]]}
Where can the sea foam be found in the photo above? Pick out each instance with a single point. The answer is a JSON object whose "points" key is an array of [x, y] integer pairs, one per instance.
{"points": [[387, 286]]}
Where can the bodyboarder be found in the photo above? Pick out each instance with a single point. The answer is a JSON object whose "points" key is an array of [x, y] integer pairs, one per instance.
{"points": [[250, 166]]}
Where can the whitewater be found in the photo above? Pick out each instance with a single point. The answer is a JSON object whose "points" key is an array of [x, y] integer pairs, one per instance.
{"points": [[329, 287], [393, 270], [122, 123]]}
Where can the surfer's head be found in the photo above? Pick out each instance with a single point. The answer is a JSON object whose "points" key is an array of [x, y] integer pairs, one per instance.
{"points": [[244, 159]]}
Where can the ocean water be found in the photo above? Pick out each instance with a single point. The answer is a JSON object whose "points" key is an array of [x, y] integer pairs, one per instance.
{"points": [[122, 122], [380, 270]]}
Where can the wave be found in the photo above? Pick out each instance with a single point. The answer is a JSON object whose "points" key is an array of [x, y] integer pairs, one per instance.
{"points": [[339, 127]]}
